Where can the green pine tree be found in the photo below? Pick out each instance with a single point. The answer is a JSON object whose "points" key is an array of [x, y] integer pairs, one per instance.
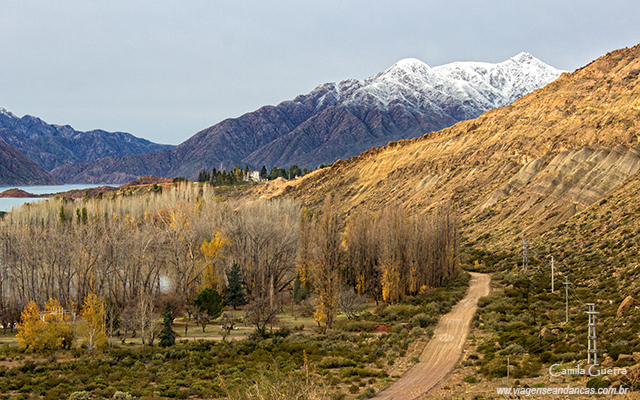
{"points": [[208, 306], [167, 335], [235, 292]]}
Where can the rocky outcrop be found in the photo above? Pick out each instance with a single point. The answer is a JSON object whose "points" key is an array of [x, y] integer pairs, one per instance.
{"points": [[626, 305]]}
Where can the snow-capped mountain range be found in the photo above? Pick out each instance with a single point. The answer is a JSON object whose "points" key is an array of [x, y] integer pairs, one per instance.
{"points": [[336, 120], [474, 87]]}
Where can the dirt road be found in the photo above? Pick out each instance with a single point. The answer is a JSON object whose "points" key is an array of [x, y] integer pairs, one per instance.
{"points": [[443, 351]]}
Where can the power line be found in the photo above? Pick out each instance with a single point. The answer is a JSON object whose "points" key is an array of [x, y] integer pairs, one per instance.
{"points": [[576, 298]]}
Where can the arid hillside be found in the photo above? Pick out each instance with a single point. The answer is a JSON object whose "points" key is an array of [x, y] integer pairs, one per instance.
{"points": [[513, 172]]}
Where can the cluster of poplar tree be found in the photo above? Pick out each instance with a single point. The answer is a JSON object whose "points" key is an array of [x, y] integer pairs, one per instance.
{"points": [[384, 255], [179, 241]]}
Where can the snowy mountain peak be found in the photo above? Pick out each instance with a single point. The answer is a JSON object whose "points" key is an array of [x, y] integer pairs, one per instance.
{"points": [[409, 64], [6, 112], [523, 58], [465, 89]]}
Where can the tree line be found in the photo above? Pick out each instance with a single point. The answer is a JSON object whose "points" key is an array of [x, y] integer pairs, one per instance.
{"points": [[236, 175], [167, 247]]}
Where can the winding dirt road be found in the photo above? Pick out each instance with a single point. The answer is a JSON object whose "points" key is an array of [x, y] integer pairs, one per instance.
{"points": [[443, 351]]}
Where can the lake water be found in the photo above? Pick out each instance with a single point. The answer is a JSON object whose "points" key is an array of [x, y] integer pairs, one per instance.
{"points": [[7, 203]]}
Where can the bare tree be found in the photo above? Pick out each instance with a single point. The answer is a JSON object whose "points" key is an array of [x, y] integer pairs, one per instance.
{"points": [[263, 241], [112, 318], [147, 319], [129, 321], [263, 311], [226, 326], [350, 303]]}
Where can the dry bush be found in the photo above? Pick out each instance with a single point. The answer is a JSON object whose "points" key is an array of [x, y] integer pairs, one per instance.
{"points": [[278, 385]]}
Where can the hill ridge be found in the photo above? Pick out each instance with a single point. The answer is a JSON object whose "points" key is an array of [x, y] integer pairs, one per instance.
{"points": [[515, 170]]}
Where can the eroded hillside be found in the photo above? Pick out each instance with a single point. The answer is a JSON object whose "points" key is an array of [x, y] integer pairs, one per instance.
{"points": [[515, 171]]}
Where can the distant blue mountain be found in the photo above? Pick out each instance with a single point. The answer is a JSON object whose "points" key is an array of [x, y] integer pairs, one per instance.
{"points": [[53, 145]]}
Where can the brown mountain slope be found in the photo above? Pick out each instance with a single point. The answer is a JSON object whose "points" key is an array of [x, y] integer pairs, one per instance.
{"points": [[18, 169], [514, 171]]}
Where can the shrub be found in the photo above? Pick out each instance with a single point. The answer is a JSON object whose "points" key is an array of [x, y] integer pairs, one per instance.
{"points": [[336, 362], [57, 392], [597, 383], [354, 389], [423, 320], [356, 326], [417, 332], [429, 333], [368, 393], [433, 308], [397, 329], [484, 301], [400, 312], [568, 357], [470, 379], [362, 372], [514, 349], [80, 396], [283, 332], [546, 357]]}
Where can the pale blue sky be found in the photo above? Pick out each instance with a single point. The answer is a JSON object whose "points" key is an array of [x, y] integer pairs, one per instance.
{"points": [[164, 70]]}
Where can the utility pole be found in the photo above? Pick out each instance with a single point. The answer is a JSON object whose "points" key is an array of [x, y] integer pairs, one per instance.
{"points": [[525, 258], [553, 288], [593, 349], [566, 284]]}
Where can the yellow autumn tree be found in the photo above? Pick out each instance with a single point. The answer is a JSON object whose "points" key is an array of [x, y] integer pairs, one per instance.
{"points": [[46, 331], [393, 241], [56, 331], [93, 331], [211, 251], [391, 283], [30, 328]]}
